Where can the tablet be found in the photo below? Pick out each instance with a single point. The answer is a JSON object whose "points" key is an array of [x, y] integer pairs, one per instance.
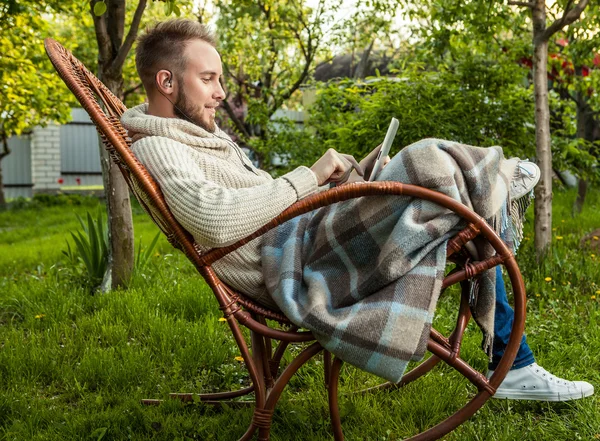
{"points": [[385, 148]]}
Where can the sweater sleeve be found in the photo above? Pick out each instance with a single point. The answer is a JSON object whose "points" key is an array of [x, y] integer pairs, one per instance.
{"points": [[215, 215]]}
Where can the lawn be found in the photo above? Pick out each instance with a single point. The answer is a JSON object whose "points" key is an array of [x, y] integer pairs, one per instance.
{"points": [[75, 364]]}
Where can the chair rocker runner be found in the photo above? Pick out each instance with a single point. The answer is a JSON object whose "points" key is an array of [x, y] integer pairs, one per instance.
{"points": [[262, 358]]}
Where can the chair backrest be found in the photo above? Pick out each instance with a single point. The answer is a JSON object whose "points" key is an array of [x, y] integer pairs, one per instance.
{"points": [[105, 110]]}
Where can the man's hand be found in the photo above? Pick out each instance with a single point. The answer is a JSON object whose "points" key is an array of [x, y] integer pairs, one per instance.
{"points": [[367, 165], [335, 167]]}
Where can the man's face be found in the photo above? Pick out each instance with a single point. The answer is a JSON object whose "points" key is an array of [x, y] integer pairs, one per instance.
{"points": [[200, 91]]}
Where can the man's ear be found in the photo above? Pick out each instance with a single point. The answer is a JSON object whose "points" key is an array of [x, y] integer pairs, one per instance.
{"points": [[164, 81]]}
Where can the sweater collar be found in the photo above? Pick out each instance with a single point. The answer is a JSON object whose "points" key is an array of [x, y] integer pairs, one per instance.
{"points": [[139, 124]]}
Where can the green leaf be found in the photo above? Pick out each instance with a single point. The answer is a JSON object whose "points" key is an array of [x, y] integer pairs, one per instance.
{"points": [[168, 7], [176, 10], [83, 249], [99, 433], [99, 8], [91, 246]]}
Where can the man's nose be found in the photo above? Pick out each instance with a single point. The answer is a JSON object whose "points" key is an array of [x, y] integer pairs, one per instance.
{"points": [[219, 93]]}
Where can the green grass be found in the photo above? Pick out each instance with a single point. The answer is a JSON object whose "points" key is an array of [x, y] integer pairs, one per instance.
{"points": [[74, 365]]}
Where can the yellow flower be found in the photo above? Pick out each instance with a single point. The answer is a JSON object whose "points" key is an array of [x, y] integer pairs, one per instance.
{"points": [[595, 237], [238, 358], [598, 292], [554, 229], [222, 319], [537, 294], [553, 289], [559, 237], [40, 316], [593, 297], [563, 221], [548, 279], [592, 255]]}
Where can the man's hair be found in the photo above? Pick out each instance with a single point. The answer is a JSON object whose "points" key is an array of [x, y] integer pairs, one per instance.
{"points": [[162, 47]]}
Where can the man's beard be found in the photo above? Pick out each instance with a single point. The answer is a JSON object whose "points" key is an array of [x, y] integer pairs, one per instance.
{"points": [[186, 110]]}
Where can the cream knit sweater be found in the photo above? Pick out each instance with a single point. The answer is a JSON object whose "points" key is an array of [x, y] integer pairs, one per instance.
{"points": [[214, 191]]}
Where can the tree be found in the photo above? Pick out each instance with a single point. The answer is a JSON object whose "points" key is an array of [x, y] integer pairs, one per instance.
{"points": [[541, 36], [29, 95], [114, 45], [575, 75], [446, 20], [113, 48], [270, 48], [355, 113]]}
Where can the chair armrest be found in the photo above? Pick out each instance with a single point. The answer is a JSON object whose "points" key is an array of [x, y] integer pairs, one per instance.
{"points": [[339, 194]]}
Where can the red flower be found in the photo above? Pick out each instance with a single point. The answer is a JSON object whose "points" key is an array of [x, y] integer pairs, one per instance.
{"points": [[60, 180], [585, 71], [78, 180]]}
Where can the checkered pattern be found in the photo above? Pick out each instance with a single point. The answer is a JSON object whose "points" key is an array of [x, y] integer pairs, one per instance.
{"points": [[365, 275]]}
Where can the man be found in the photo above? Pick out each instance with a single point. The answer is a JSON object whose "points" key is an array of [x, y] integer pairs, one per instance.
{"points": [[220, 197]]}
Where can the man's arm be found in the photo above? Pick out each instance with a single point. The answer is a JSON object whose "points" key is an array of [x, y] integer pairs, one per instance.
{"points": [[215, 215]]}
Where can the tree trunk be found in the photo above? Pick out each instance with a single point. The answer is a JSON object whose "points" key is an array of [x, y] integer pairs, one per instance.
{"points": [[582, 187], [118, 210], [586, 124], [543, 191], [3, 153], [363, 65], [2, 198], [112, 51]]}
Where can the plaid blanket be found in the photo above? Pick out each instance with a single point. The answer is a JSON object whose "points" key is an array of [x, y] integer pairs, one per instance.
{"points": [[365, 275]]}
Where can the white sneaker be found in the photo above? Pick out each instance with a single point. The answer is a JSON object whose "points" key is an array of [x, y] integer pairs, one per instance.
{"points": [[533, 382], [527, 175]]}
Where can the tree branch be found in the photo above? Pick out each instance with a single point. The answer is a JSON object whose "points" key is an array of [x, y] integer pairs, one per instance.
{"points": [[569, 16], [101, 34], [5, 149], [288, 93], [524, 4], [131, 35], [131, 90], [239, 125]]}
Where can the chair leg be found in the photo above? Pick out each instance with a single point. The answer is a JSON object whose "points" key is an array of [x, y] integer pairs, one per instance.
{"points": [[332, 391], [263, 415], [327, 366]]}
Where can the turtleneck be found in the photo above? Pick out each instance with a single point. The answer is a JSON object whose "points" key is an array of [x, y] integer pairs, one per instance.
{"points": [[214, 190]]}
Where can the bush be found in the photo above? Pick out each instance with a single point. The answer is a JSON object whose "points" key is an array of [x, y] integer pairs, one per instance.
{"points": [[91, 249], [41, 200]]}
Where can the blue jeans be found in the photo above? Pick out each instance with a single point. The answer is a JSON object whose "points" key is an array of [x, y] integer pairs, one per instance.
{"points": [[503, 321]]}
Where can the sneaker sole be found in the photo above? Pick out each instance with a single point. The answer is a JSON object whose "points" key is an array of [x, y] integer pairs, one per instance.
{"points": [[541, 396]]}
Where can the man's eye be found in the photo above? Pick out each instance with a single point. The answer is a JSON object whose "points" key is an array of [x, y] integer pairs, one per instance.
{"points": [[206, 80]]}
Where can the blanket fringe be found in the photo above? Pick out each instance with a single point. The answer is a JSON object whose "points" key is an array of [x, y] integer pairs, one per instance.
{"points": [[517, 216], [488, 347], [508, 224]]}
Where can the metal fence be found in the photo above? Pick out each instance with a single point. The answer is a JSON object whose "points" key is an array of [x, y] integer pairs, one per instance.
{"points": [[16, 168], [79, 153]]}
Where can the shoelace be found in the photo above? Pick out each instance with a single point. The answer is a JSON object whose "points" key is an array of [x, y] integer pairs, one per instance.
{"points": [[521, 173], [551, 377]]}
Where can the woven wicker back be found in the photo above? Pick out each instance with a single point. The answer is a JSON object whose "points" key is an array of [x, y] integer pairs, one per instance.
{"points": [[105, 110]]}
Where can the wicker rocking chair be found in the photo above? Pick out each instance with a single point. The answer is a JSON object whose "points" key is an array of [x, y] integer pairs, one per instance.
{"points": [[261, 357]]}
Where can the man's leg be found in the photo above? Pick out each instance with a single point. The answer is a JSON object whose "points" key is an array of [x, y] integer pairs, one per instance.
{"points": [[526, 380], [503, 321]]}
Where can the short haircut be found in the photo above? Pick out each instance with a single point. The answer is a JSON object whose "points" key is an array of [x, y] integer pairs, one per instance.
{"points": [[162, 47]]}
